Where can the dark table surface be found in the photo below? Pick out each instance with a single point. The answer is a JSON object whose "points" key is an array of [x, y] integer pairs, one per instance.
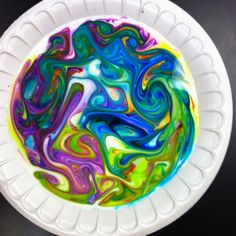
{"points": [[215, 213]]}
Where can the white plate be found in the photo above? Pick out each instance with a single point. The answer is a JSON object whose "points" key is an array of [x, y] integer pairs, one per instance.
{"points": [[184, 190]]}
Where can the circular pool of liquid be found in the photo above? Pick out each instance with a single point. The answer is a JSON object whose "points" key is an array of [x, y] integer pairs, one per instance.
{"points": [[105, 111]]}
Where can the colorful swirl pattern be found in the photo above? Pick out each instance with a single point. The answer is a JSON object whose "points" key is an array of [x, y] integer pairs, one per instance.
{"points": [[106, 114]]}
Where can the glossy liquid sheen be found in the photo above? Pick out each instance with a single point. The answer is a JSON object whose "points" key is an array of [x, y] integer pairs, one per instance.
{"points": [[106, 114]]}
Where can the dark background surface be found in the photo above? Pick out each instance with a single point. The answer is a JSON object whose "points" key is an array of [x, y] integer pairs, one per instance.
{"points": [[215, 213]]}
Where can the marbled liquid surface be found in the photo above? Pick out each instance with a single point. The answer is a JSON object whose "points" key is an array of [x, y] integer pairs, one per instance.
{"points": [[106, 114]]}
